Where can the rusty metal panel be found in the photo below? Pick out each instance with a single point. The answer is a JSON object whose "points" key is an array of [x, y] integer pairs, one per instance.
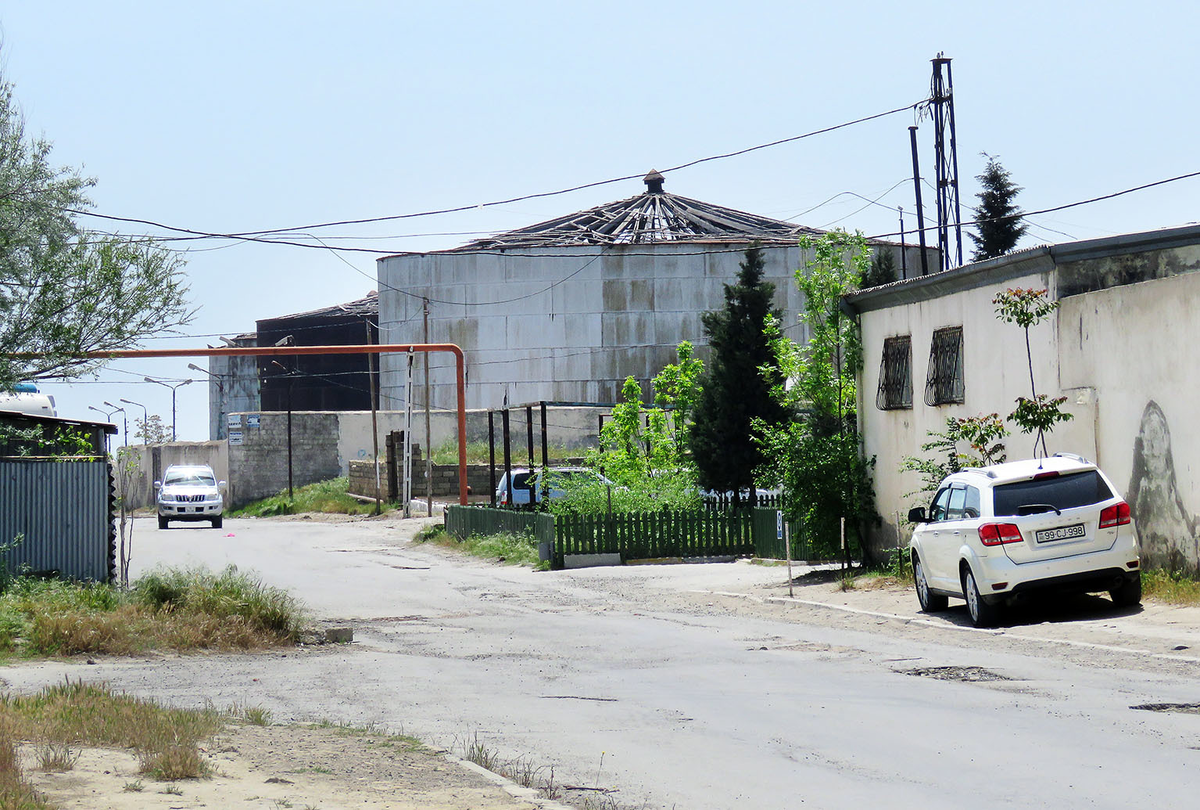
{"points": [[63, 509]]}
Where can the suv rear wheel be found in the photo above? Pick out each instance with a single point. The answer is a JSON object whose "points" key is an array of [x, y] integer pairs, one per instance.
{"points": [[1129, 593], [982, 614]]}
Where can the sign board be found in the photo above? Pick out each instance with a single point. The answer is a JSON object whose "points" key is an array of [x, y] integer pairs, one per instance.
{"points": [[252, 420], [233, 420], [235, 437], [778, 525]]}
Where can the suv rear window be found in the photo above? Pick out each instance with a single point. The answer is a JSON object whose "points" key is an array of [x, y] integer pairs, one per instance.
{"points": [[1061, 492]]}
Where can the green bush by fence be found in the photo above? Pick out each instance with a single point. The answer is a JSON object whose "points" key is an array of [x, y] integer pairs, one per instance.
{"points": [[462, 521]]}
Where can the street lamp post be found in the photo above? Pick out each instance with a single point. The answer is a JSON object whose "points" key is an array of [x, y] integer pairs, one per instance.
{"points": [[220, 396], [107, 417], [287, 373], [173, 388], [145, 419], [124, 420]]}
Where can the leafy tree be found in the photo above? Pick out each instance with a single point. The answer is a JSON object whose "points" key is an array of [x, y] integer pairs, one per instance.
{"points": [[640, 450], [817, 459], [736, 391], [65, 291], [677, 389], [1026, 308], [152, 430], [997, 217], [882, 269], [984, 437]]}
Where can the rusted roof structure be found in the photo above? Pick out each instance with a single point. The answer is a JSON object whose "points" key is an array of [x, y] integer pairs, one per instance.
{"points": [[650, 217]]}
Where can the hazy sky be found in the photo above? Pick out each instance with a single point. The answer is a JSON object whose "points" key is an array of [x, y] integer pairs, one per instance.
{"points": [[233, 117]]}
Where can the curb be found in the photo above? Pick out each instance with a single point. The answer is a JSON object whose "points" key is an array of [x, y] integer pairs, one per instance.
{"points": [[518, 792], [943, 625]]}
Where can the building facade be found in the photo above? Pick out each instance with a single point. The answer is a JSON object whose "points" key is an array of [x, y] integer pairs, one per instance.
{"points": [[1114, 348]]}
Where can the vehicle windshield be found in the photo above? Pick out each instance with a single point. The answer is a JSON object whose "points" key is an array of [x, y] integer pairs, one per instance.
{"points": [[190, 478], [1048, 494]]}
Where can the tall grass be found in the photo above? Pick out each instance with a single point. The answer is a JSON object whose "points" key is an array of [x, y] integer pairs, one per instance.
{"points": [[1172, 587], [330, 497], [166, 609], [61, 718], [514, 549]]}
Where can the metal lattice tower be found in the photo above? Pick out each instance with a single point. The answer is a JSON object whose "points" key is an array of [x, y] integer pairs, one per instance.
{"points": [[946, 159]]}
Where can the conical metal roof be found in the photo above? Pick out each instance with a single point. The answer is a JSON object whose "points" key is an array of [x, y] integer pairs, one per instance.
{"points": [[651, 217]]}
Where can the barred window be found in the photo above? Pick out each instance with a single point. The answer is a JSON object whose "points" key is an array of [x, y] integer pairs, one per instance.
{"points": [[944, 383], [895, 375]]}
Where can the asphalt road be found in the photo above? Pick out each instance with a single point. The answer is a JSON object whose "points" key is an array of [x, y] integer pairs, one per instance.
{"points": [[647, 681]]}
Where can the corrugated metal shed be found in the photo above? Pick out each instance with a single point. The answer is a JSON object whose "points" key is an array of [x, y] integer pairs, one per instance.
{"points": [[63, 510]]}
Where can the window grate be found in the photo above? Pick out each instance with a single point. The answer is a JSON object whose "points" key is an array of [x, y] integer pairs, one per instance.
{"points": [[895, 375], [944, 383]]}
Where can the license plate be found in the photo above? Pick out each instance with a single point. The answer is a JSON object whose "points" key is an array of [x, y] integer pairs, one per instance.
{"points": [[1061, 533]]}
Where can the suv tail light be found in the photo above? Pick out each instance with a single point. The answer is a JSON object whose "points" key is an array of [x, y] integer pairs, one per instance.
{"points": [[997, 534], [1115, 515]]}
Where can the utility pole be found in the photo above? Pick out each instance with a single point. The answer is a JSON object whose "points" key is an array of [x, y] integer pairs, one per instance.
{"points": [[288, 374], [946, 164], [375, 420], [428, 431], [912, 134]]}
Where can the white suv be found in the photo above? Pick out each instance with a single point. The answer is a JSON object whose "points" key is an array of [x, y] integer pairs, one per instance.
{"points": [[996, 532], [190, 492]]}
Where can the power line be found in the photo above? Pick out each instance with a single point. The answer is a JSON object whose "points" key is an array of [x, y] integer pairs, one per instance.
{"points": [[256, 236]]}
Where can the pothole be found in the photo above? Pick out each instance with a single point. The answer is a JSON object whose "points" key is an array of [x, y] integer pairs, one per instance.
{"points": [[964, 674], [1181, 708]]}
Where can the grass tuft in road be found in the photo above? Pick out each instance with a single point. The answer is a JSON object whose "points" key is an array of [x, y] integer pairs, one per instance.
{"points": [[330, 497], [168, 609], [59, 719], [513, 549]]}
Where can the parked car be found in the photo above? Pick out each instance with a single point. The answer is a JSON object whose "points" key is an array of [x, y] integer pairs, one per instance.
{"points": [[526, 484], [190, 492], [995, 533]]}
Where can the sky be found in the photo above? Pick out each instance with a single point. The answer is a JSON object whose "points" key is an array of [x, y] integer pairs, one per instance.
{"points": [[231, 117]]}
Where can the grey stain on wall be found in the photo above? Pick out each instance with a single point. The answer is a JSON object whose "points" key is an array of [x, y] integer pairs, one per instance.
{"points": [[1166, 530]]}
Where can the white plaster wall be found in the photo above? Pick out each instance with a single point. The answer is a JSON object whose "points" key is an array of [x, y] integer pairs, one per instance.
{"points": [[1131, 346], [995, 372]]}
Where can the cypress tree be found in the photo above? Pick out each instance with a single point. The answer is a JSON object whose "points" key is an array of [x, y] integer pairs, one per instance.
{"points": [[734, 391], [997, 217]]}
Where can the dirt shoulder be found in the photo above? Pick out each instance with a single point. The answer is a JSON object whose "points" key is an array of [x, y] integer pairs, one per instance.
{"points": [[272, 767]]}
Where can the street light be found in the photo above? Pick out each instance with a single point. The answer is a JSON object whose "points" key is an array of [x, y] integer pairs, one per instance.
{"points": [[290, 375], [173, 388], [145, 419], [124, 419], [220, 396], [107, 417]]}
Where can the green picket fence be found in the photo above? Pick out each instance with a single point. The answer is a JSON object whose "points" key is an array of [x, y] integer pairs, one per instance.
{"points": [[639, 536], [768, 544], [651, 535], [463, 521]]}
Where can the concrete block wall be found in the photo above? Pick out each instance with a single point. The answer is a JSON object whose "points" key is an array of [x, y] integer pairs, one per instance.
{"points": [[445, 478], [258, 466]]}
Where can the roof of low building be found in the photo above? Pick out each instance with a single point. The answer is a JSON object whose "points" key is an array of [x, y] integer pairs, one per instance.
{"points": [[366, 307], [654, 216]]}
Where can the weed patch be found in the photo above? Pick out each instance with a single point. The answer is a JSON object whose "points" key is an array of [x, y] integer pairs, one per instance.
{"points": [[62, 718], [513, 549], [1174, 588], [330, 497], [166, 609]]}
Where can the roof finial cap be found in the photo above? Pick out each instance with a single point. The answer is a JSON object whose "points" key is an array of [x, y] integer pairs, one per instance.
{"points": [[654, 182]]}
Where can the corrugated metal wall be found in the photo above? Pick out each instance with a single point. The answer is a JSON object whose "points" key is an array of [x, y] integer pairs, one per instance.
{"points": [[64, 510]]}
